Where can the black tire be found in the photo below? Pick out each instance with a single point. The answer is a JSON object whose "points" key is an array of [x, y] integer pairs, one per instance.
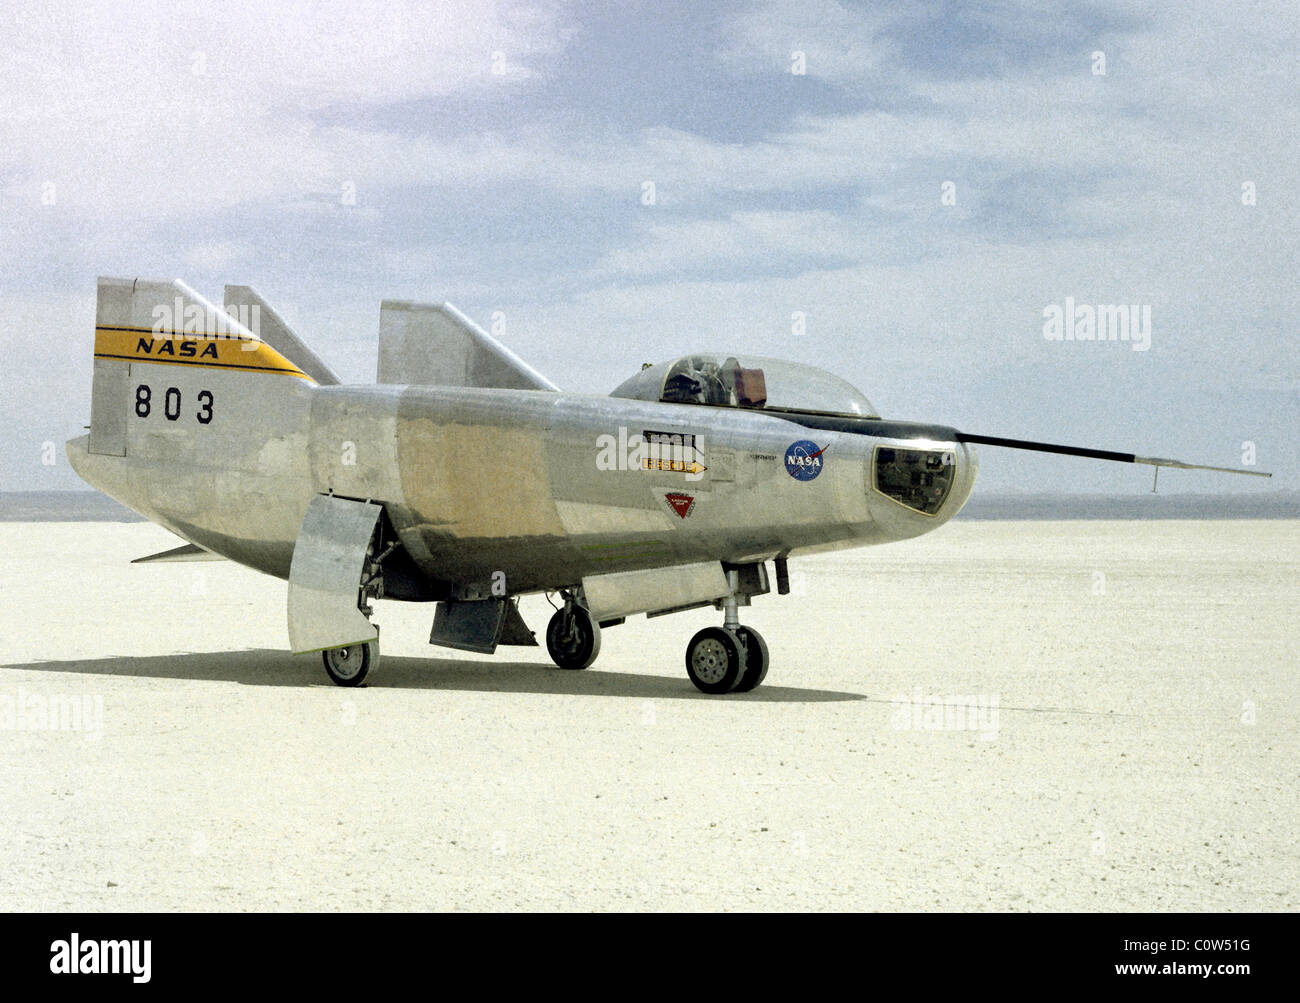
{"points": [[573, 644], [715, 661], [352, 663], [755, 660]]}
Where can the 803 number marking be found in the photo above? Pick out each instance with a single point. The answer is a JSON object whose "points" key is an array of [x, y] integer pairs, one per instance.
{"points": [[171, 404]]}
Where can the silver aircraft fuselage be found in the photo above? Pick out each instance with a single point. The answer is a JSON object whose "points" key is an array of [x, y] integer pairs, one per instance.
{"points": [[520, 482]]}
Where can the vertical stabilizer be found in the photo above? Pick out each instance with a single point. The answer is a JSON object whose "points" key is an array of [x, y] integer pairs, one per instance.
{"points": [[437, 345], [261, 318], [143, 323]]}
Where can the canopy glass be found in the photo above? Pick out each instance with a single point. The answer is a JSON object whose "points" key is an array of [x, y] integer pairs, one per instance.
{"points": [[748, 381]]}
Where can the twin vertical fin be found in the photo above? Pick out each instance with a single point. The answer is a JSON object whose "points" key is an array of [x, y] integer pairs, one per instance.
{"points": [[437, 345]]}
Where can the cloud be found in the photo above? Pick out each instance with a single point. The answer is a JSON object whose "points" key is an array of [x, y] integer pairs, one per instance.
{"points": [[856, 45], [745, 243], [165, 108]]}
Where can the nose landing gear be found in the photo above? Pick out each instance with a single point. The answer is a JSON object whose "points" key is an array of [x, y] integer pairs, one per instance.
{"points": [[731, 658], [755, 660], [723, 660]]}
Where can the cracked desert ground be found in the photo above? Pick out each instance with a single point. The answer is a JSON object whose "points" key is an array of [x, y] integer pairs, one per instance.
{"points": [[1143, 754]]}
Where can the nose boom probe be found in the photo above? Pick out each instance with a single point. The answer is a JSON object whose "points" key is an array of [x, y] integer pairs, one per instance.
{"points": [[1101, 454]]}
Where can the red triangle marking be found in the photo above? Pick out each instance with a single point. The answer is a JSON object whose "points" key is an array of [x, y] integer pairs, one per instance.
{"points": [[682, 504]]}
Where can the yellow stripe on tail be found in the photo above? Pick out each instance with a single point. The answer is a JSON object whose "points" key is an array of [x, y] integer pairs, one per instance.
{"points": [[217, 351]]}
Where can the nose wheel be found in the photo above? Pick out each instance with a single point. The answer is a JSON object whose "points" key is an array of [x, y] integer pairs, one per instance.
{"points": [[755, 659], [721, 660], [730, 658]]}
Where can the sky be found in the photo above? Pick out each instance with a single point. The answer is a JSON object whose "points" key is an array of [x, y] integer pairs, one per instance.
{"points": [[899, 193]]}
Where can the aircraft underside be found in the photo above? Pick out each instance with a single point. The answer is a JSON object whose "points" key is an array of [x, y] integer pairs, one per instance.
{"points": [[339, 569]]}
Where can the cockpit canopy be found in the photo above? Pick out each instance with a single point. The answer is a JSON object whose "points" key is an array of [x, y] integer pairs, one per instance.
{"points": [[750, 381]]}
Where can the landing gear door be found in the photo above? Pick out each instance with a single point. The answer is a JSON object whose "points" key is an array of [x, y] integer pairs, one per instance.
{"points": [[325, 576]]}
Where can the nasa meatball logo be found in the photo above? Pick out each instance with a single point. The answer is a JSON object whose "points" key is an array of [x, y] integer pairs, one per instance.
{"points": [[803, 460]]}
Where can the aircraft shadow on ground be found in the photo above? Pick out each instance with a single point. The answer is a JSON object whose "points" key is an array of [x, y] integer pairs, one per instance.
{"points": [[267, 667]]}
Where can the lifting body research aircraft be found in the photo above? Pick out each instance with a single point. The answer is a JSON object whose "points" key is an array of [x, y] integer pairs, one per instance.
{"points": [[467, 479]]}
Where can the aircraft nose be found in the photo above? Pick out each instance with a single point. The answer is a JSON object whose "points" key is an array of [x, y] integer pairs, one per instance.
{"points": [[921, 476]]}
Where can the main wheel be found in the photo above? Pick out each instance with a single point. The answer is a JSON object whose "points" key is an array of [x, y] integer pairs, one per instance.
{"points": [[755, 659], [573, 638], [715, 660], [349, 665]]}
